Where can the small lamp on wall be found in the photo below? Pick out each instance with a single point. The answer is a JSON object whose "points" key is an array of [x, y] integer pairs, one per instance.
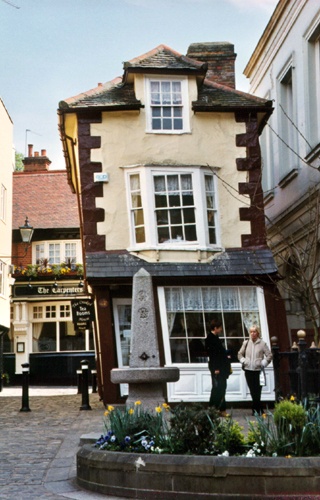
{"points": [[26, 232]]}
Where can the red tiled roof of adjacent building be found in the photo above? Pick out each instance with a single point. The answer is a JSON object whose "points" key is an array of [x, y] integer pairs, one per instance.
{"points": [[45, 198]]}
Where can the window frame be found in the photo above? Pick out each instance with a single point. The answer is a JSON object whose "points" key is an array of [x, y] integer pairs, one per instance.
{"points": [[184, 105], [288, 161], [57, 313], [45, 254], [261, 311], [146, 174]]}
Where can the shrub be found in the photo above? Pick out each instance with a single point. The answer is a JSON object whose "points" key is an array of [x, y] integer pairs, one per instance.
{"points": [[294, 414]]}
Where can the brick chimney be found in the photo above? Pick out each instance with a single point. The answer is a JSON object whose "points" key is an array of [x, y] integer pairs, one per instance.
{"points": [[220, 57], [36, 163]]}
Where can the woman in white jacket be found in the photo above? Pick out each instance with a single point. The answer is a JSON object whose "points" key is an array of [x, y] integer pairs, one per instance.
{"points": [[254, 355]]}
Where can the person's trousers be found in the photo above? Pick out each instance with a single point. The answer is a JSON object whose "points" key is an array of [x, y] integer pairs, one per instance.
{"points": [[218, 392], [253, 381]]}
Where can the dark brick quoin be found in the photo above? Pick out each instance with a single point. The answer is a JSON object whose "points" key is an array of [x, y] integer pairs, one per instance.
{"points": [[89, 189], [252, 164]]}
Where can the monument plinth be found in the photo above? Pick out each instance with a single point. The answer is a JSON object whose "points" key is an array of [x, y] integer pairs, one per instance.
{"points": [[144, 375]]}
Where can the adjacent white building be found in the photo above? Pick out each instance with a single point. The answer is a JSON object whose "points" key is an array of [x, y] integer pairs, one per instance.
{"points": [[285, 68]]}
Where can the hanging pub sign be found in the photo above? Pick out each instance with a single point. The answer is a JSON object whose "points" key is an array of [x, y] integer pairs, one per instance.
{"points": [[82, 313]]}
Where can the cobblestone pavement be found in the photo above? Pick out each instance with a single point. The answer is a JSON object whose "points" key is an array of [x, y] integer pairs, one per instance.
{"points": [[38, 448]]}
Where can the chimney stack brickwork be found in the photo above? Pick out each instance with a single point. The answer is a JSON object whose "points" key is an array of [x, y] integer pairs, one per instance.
{"points": [[220, 57], [36, 162]]}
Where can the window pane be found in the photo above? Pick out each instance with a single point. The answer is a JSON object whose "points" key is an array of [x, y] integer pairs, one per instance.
{"points": [[190, 233], [71, 340], [177, 233], [175, 216], [140, 235], [177, 124], [179, 351], [167, 112], [167, 124], [156, 124], [156, 112], [163, 234], [162, 217], [188, 215], [44, 337], [173, 182], [138, 217], [174, 200]]}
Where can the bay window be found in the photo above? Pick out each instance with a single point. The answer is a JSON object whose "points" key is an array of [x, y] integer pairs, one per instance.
{"points": [[172, 208]]}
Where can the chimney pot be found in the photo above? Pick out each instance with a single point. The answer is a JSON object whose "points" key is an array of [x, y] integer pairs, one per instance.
{"points": [[30, 150], [36, 153], [43, 152]]}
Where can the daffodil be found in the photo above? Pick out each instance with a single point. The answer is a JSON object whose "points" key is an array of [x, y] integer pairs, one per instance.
{"points": [[158, 409], [131, 411], [137, 403], [106, 413], [110, 408]]}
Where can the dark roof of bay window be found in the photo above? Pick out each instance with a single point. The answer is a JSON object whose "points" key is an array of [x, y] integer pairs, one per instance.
{"points": [[119, 93], [239, 262]]}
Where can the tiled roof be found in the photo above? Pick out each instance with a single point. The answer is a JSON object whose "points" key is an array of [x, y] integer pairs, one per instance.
{"points": [[163, 57], [46, 198], [109, 95], [119, 93], [230, 263], [213, 96]]}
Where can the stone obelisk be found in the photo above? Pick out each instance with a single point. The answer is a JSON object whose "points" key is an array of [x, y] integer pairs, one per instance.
{"points": [[144, 375]]}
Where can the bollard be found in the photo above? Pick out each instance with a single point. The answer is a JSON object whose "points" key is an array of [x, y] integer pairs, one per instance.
{"points": [[94, 381], [79, 381], [25, 387], [85, 385]]}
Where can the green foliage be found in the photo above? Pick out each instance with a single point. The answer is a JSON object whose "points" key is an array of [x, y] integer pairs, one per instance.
{"points": [[290, 431], [291, 413], [190, 430], [134, 429], [19, 167]]}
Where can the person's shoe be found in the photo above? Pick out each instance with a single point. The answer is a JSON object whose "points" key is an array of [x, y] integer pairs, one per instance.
{"points": [[224, 414]]}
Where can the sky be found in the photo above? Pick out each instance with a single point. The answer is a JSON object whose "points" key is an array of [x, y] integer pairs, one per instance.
{"points": [[54, 49]]}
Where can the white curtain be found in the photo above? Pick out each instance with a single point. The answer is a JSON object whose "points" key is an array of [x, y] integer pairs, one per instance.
{"points": [[36, 332]]}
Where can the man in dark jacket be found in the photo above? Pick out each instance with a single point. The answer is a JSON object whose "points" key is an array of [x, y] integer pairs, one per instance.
{"points": [[219, 366]]}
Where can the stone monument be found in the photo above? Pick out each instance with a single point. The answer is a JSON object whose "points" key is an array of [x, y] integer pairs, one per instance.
{"points": [[144, 375]]}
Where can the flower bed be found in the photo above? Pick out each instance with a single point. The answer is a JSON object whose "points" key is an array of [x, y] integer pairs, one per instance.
{"points": [[189, 455]]}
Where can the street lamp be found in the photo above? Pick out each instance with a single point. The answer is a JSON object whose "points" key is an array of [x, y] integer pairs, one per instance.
{"points": [[26, 232]]}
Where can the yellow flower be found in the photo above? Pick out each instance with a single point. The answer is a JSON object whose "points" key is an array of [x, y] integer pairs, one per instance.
{"points": [[106, 413], [288, 456], [110, 408], [158, 409], [137, 403], [131, 411], [166, 406], [292, 398], [264, 415]]}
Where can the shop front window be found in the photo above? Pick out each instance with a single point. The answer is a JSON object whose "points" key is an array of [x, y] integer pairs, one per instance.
{"points": [[53, 330], [190, 310]]}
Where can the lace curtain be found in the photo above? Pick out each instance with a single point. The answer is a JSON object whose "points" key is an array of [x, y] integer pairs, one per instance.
{"points": [[214, 299]]}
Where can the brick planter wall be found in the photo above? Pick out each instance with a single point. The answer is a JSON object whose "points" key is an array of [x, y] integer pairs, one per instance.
{"points": [[195, 477]]}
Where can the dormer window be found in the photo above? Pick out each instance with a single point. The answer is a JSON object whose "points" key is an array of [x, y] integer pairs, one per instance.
{"points": [[167, 105]]}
